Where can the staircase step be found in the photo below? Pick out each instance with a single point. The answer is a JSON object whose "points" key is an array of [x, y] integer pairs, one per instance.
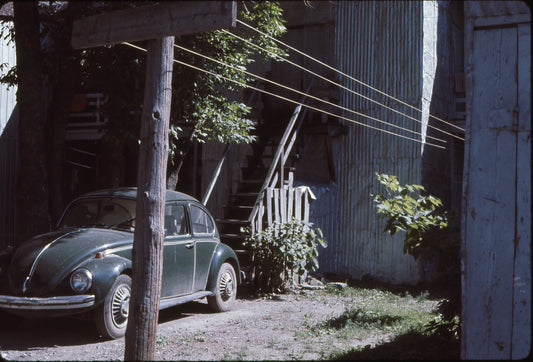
{"points": [[244, 198], [241, 212], [232, 228], [247, 185], [253, 172]]}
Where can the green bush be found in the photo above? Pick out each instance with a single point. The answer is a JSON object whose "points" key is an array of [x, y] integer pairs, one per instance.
{"points": [[282, 251], [406, 209], [427, 233]]}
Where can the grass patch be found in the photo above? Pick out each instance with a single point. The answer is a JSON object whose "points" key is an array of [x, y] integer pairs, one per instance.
{"points": [[399, 316]]}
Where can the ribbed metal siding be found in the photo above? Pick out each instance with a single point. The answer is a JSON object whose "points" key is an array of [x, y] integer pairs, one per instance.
{"points": [[323, 215], [8, 151], [379, 43]]}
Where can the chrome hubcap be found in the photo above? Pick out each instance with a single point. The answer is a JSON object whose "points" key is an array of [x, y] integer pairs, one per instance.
{"points": [[226, 286], [121, 305]]}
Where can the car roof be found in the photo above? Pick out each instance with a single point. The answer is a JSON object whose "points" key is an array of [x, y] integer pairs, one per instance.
{"points": [[131, 193]]}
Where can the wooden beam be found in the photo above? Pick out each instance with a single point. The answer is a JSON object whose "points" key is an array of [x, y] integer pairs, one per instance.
{"points": [[152, 22]]}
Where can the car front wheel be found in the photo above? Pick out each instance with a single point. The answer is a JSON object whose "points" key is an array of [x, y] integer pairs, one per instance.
{"points": [[225, 289], [111, 318]]}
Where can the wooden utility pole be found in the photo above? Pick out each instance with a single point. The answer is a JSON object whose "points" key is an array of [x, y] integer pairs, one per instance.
{"points": [[158, 24], [147, 255]]}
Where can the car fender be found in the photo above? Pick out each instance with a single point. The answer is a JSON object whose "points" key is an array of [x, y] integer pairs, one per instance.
{"points": [[104, 272], [223, 253]]}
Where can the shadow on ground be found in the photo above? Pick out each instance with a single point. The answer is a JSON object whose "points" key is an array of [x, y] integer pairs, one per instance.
{"points": [[64, 331], [409, 346]]}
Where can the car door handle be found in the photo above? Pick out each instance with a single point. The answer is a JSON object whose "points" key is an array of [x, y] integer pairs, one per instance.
{"points": [[189, 246]]}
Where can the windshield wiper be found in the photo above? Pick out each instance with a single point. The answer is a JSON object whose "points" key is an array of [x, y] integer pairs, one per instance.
{"points": [[127, 224]]}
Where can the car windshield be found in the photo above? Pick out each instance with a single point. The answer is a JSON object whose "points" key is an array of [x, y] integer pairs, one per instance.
{"points": [[100, 212]]}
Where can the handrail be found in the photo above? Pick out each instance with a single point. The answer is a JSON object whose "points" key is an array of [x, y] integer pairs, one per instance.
{"points": [[277, 156], [214, 179]]}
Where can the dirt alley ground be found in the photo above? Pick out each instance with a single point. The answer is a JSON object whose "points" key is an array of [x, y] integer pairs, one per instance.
{"points": [[256, 329]]}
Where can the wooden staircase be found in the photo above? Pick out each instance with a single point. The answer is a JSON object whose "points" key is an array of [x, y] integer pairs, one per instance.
{"points": [[267, 168], [241, 204]]}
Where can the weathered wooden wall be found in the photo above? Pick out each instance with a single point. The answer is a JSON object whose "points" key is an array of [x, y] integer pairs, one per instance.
{"points": [[8, 149], [496, 232]]}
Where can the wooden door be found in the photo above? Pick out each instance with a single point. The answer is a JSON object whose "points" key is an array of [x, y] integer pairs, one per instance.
{"points": [[497, 195]]}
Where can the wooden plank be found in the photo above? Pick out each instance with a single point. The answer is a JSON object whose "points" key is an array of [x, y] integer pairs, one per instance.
{"points": [[306, 204], [465, 257], [269, 206], [260, 216], [489, 246], [277, 218], [298, 203], [274, 181], [290, 197], [521, 341], [502, 20], [283, 203], [252, 220], [153, 21]]}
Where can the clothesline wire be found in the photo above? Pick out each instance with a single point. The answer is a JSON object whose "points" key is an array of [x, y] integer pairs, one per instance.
{"points": [[304, 94], [334, 83], [346, 75], [292, 101]]}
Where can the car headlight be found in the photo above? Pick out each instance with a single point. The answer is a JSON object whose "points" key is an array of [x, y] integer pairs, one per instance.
{"points": [[81, 280]]}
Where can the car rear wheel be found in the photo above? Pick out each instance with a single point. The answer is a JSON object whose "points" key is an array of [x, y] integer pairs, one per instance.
{"points": [[111, 318], [225, 289]]}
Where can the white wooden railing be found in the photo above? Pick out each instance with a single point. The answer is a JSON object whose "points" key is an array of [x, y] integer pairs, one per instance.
{"points": [[276, 201], [280, 205]]}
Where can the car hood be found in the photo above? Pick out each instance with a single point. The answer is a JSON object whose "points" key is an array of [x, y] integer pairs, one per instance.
{"points": [[42, 263]]}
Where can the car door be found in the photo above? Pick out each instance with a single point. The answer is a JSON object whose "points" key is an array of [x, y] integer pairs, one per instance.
{"points": [[178, 254], [203, 231]]}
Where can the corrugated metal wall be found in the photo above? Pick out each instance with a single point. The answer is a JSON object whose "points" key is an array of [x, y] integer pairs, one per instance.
{"points": [[381, 44], [8, 150]]}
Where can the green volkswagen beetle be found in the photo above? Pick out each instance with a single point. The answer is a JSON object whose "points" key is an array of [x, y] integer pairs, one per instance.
{"points": [[84, 268]]}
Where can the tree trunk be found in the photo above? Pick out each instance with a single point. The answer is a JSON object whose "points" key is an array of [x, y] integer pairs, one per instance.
{"points": [[32, 186], [63, 91], [174, 171], [147, 254]]}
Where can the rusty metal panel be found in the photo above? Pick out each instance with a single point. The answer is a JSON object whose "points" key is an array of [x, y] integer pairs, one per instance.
{"points": [[8, 149], [496, 230], [379, 43]]}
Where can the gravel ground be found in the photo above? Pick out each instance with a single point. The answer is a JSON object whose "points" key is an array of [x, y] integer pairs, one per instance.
{"points": [[256, 329]]}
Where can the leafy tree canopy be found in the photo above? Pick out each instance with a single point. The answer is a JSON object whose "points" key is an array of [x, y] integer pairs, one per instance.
{"points": [[209, 104]]}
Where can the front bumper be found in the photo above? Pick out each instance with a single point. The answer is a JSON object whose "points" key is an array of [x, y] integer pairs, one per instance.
{"points": [[52, 303]]}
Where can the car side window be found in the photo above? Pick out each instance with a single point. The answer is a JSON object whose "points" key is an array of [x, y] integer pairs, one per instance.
{"points": [[201, 222], [175, 221]]}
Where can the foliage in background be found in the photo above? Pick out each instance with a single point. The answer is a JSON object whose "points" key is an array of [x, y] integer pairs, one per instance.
{"points": [[283, 250], [204, 107], [210, 105], [406, 209], [428, 234]]}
